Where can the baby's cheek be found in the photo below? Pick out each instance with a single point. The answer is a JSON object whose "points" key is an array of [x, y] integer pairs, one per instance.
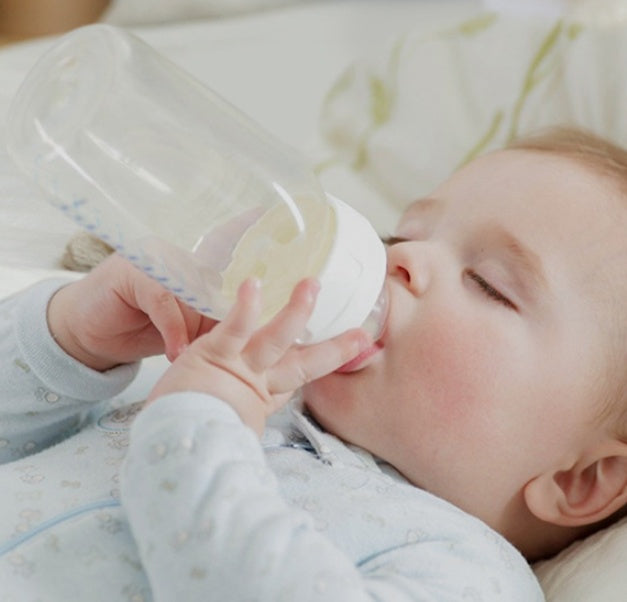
{"points": [[461, 371]]}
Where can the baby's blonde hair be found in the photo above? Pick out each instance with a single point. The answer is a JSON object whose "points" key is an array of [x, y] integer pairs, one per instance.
{"points": [[610, 160], [581, 145]]}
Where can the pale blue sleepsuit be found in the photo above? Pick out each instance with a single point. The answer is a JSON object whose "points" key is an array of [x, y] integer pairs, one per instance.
{"points": [[182, 503]]}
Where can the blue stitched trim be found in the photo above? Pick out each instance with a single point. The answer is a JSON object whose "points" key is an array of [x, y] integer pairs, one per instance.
{"points": [[10, 545]]}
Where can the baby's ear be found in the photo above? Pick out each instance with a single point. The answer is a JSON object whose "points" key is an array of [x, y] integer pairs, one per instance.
{"points": [[589, 491]]}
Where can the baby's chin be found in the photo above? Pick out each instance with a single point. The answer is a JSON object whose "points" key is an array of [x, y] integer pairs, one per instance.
{"points": [[319, 392], [327, 402], [309, 393]]}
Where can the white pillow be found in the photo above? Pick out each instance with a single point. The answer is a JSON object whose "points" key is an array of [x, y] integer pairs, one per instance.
{"points": [[592, 570], [404, 118], [588, 11], [398, 122]]}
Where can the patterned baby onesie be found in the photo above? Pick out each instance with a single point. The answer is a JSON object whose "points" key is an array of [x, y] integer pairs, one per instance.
{"points": [[181, 501]]}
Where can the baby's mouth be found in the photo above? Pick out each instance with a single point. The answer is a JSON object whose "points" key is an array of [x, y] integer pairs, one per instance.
{"points": [[376, 325], [360, 361]]}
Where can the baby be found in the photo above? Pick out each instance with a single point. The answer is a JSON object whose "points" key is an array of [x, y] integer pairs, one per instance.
{"points": [[488, 420]]}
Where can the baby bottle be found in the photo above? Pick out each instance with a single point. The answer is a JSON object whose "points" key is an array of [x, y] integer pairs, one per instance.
{"points": [[186, 187]]}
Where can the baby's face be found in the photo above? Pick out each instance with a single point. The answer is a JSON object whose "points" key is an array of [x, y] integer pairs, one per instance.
{"points": [[494, 345]]}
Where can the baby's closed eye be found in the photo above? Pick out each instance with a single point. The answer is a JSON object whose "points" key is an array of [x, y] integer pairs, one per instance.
{"points": [[490, 290]]}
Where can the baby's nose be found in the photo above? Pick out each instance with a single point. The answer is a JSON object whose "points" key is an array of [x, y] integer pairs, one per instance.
{"points": [[408, 262]]}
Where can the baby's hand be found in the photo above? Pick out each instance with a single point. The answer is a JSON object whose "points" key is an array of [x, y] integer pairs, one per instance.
{"points": [[257, 370], [117, 314]]}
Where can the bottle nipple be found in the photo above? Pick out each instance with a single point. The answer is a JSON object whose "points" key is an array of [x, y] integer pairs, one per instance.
{"points": [[376, 320], [352, 291]]}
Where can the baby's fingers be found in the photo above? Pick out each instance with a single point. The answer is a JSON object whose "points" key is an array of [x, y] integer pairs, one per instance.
{"points": [[229, 337], [302, 365], [272, 341], [164, 312]]}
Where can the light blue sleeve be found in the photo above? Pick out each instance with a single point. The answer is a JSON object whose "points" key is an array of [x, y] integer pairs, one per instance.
{"points": [[44, 393], [210, 524]]}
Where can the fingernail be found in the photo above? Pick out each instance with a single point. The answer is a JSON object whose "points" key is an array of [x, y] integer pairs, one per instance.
{"points": [[255, 283], [250, 284], [314, 289]]}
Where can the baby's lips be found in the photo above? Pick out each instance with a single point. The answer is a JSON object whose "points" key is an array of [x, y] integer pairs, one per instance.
{"points": [[361, 359]]}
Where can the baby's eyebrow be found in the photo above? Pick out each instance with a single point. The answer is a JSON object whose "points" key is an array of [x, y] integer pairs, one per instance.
{"points": [[424, 206], [526, 262]]}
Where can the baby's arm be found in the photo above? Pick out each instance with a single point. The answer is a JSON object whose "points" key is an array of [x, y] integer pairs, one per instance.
{"points": [[210, 523], [208, 518], [65, 345], [44, 392]]}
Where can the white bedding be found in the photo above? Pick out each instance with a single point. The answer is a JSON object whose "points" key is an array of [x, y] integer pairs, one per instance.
{"points": [[279, 67]]}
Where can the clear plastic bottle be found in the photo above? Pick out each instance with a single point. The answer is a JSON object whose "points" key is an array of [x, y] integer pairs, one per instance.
{"points": [[186, 187]]}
